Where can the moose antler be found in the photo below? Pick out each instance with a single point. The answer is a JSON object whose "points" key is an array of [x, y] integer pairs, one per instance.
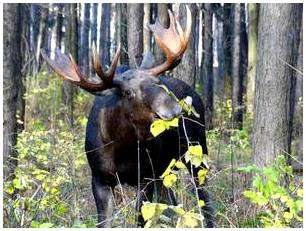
{"points": [[66, 67], [173, 41], [108, 76]]}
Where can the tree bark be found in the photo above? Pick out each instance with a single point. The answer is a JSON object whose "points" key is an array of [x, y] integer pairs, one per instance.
{"points": [[146, 31], [68, 90], [228, 30], [243, 67], [35, 15], [253, 10], [85, 39], [236, 66], [278, 34], [135, 35], [93, 35], [59, 24], [219, 74], [186, 69], [11, 82], [121, 22], [163, 18], [25, 62], [105, 34], [42, 41], [296, 106], [207, 63]]}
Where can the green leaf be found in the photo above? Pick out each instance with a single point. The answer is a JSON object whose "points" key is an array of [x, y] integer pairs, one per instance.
{"points": [[194, 154], [17, 183], [46, 225], [169, 180], [248, 169], [10, 190]]}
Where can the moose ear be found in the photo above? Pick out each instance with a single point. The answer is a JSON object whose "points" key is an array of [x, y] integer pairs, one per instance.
{"points": [[148, 61]]}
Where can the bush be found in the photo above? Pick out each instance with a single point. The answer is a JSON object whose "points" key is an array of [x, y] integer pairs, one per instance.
{"points": [[278, 198]]}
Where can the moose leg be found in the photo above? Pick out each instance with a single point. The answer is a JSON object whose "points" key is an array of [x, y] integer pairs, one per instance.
{"points": [[102, 194], [208, 210]]}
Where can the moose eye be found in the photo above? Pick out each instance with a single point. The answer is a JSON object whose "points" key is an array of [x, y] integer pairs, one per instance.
{"points": [[128, 93]]}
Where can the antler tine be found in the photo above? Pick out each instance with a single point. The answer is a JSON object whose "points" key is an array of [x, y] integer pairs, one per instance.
{"points": [[111, 71], [66, 67], [173, 41], [96, 63], [108, 76]]}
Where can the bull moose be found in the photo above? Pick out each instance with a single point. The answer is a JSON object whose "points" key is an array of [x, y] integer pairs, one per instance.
{"points": [[119, 145]]}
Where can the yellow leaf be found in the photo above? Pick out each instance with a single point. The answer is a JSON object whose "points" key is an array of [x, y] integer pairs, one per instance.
{"points": [[169, 180], [288, 216], [179, 210], [284, 199], [148, 224], [168, 170], [194, 155], [190, 220], [180, 165], [157, 127], [299, 192], [148, 210], [201, 203], [172, 123], [202, 175]]}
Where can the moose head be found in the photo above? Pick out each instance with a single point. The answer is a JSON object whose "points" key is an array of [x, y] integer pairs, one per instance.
{"points": [[142, 96]]}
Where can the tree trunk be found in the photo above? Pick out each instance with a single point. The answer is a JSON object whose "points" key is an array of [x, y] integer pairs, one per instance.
{"points": [[186, 69], [93, 35], [105, 34], [243, 67], [68, 89], [85, 39], [59, 26], [25, 62], [236, 63], [35, 15], [227, 44], [135, 34], [219, 74], [253, 9], [207, 63], [278, 34], [296, 122], [94, 24], [42, 40], [121, 29], [146, 31], [163, 18], [11, 82]]}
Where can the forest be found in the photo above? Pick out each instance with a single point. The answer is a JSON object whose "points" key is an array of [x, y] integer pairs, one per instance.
{"points": [[244, 60]]}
